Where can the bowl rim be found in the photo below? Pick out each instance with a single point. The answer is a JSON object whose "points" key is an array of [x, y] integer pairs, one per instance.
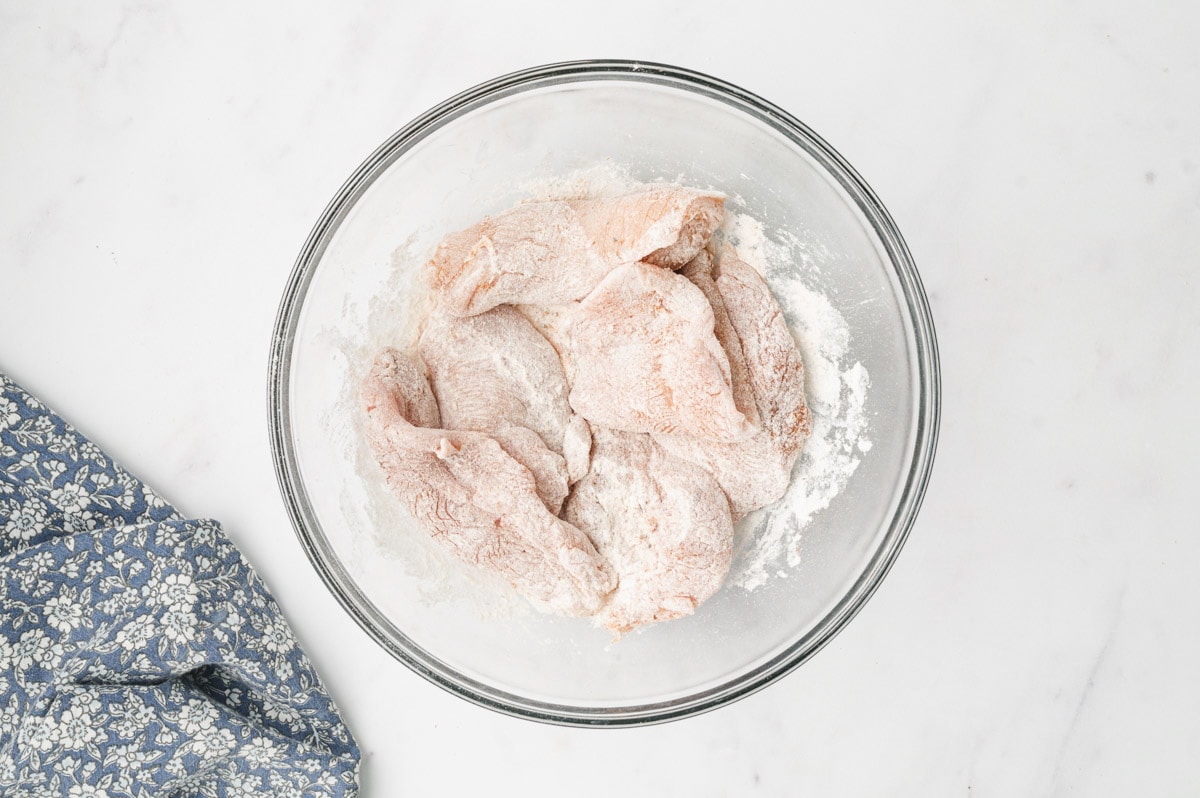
{"points": [[308, 529]]}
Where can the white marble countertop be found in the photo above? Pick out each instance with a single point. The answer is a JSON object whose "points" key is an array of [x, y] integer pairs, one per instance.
{"points": [[161, 165]]}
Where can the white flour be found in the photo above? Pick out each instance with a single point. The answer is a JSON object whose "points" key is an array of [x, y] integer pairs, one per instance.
{"points": [[836, 390], [768, 541]]}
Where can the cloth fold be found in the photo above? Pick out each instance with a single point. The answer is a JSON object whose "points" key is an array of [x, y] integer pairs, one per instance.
{"points": [[140, 654]]}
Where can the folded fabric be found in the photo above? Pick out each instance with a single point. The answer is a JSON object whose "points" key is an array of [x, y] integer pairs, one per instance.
{"points": [[140, 654]]}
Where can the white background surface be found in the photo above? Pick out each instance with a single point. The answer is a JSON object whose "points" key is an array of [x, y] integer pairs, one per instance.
{"points": [[161, 165]]}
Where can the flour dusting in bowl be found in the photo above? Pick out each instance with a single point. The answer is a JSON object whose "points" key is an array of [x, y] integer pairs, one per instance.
{"points": [[617, 390]]}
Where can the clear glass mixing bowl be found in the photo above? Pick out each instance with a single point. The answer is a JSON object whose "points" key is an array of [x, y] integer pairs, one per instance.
{"points": [[472, 155]]}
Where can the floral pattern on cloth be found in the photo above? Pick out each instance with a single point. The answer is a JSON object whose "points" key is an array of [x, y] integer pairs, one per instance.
{"points": [[140, 654]]}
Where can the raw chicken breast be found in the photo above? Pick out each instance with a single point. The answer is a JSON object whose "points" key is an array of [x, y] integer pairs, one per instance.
{"points": [[558, 251], [494, 372], [645, 358], [661, 522], [700, 270], [474, 497], [756, 471], [549, 470]]}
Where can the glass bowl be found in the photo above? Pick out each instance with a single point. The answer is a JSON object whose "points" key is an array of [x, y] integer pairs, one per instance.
{"points": [[478, 153]]}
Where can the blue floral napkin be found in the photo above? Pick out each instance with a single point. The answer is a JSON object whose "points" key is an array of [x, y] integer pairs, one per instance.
{"points": [[140, 654]]}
